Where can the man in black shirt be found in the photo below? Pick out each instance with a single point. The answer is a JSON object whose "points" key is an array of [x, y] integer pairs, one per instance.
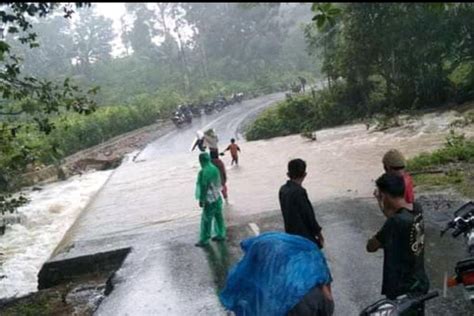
{"points": [[296, 208], [402, 239]]}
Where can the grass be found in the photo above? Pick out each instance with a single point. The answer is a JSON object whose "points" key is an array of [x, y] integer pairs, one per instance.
{"points": [[38, 307], [461, 181], [455, 163], [53, 301], [457, 149]]}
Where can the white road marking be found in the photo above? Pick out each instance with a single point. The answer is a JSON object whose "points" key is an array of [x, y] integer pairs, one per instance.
{"points": [[255, 229]]}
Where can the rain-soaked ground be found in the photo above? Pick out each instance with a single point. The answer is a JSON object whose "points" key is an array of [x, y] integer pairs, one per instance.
{"points": [[148, 205]]}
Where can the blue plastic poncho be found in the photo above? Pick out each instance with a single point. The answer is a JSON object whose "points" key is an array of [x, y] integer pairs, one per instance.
{"points": [[276, 272]]}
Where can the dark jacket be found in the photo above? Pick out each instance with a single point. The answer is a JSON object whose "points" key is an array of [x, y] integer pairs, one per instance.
{"points": [[298, 213]]}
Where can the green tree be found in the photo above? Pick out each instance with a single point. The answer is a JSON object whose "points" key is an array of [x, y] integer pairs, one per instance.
{"points": [[27, 102], [92, 40], [405, 50], [55, 51]]}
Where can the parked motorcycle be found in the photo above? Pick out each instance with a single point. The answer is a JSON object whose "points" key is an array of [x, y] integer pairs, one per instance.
{"points": [[386, 307], [182, 116], [208, 108], [239, 97], [177, 119], [463, 224], [196, 110]]}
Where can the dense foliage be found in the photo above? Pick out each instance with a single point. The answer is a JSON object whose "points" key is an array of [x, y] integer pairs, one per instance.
{"points": [[380, 57], [173, 53]]}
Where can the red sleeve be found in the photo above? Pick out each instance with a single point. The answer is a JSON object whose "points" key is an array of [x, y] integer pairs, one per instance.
{"points": [[409, 195], [223, 173]]}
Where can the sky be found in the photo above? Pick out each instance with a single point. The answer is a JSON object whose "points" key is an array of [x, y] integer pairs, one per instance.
{"points": [[115, 11]]}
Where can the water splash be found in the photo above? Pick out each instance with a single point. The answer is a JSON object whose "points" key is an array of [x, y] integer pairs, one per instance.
{"points": [[27, 245]]}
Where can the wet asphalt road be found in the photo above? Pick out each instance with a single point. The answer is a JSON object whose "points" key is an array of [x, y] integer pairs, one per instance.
{"points": [[165, 274], [228, 124]]}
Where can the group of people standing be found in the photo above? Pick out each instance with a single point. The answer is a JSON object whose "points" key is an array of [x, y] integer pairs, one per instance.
{"points": [[401, 238], [211, 183]]}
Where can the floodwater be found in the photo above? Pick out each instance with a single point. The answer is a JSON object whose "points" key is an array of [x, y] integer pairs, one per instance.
{"points": [[155, 194], [156, 191], [343, 162], [148, 205], [44, 221]]}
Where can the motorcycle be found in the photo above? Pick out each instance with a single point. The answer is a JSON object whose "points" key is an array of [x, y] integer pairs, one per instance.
{"points": [[219, 105], [239, 97], [386, 307], [208, 108], [182, 116], [178, 119], [463, 224], [196, 111]]}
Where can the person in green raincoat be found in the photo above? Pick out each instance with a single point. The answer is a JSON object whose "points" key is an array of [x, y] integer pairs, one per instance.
{"points": [[208, 193]]}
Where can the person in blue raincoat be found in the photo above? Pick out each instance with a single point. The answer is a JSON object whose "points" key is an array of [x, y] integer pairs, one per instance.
{"points": [[279, 274]]}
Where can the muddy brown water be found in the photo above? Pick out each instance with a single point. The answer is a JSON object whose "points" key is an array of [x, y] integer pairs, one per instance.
{"points": [[156, 191]]}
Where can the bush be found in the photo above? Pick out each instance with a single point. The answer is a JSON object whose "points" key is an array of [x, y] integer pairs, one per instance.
{"points": [[456, 149], [74, 132], [303, 113], [79, 132], [462, 79], [268, 125]]}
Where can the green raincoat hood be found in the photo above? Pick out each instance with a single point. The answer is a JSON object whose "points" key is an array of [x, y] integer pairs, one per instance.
{"points": [[204, 159]]}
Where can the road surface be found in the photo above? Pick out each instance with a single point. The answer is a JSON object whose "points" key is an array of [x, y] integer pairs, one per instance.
{"points": [[147, 205]]}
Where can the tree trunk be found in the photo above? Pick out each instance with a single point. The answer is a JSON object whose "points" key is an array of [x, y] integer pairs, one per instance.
{"points": [[204, 61], [184, 63]]}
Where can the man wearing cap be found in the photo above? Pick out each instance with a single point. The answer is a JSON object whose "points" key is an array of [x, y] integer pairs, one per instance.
{"points": [[394, 163]]}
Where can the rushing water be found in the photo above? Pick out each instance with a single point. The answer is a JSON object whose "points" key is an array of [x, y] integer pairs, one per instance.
{"points": [[45, 220], [158, 190]]}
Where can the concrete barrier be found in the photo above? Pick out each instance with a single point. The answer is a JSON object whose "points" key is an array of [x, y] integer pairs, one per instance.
{"points": [[57, 272]]}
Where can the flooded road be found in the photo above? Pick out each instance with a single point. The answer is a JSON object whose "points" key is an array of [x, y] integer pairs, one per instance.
{"points": [[227, 124], [53, 210], [148, 204]]}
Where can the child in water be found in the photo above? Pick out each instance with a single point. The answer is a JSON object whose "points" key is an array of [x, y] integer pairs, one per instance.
{"points": [[234, 149]]}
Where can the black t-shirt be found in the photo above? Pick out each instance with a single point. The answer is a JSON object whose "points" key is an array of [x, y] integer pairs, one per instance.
{"points": [[402, 238], [298, 213]]}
